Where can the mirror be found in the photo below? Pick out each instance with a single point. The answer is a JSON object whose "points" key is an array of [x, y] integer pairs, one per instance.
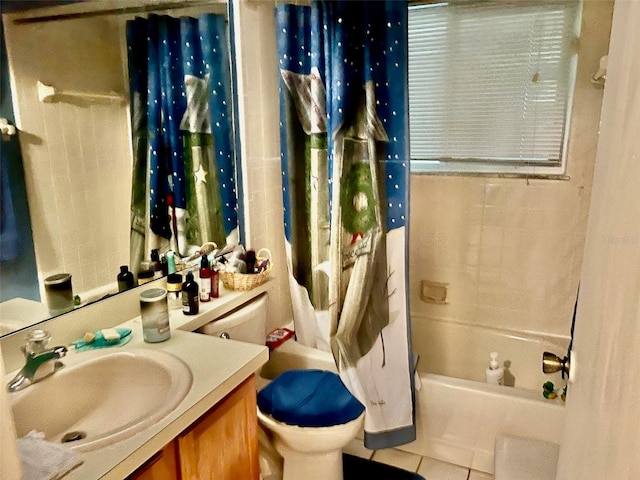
{"points": [[70, 87]]}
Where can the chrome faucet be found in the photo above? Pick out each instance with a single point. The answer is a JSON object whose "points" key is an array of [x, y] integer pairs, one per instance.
{"points": [[40, 361]]}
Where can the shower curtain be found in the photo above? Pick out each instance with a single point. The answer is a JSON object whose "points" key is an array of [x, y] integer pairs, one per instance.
{"points": [[183, 189], [343, 117]]}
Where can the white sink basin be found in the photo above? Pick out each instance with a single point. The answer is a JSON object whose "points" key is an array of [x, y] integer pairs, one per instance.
{"points": [[105, 394]]}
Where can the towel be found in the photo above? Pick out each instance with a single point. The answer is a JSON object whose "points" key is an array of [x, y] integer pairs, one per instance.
{"points": [[43, 460]]}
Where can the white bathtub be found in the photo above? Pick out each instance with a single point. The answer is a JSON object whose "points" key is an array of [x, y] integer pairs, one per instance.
{"points": [[460, 350], [458, 419]]}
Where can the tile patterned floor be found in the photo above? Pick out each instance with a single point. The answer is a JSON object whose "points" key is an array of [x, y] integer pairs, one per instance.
{"points": [[429, 468]]}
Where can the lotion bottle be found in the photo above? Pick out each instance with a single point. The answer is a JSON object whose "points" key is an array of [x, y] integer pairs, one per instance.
{"points": [[495, 373]]}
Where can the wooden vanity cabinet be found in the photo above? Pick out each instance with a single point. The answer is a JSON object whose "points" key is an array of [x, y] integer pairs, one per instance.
{"points": [[220, 445], [162, 466]]}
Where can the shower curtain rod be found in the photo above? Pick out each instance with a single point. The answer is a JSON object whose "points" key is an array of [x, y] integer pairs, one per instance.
{"points": [[124, 10]]}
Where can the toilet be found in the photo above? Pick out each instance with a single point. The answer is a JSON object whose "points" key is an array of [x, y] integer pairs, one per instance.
{"points": [[248, 323], [312, 417], [309, 440]]}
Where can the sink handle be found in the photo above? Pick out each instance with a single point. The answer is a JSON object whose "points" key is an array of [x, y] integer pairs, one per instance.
{"points": [[37, 342]]}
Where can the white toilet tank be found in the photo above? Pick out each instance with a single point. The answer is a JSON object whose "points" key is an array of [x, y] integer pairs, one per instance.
{"points": [[247, 323]]}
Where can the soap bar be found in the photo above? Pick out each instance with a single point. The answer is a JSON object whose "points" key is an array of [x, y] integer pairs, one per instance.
{"points": [[110, 334]]}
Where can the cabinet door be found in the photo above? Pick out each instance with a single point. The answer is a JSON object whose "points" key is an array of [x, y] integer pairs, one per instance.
{"points": [[162, 466], [223, 444]]}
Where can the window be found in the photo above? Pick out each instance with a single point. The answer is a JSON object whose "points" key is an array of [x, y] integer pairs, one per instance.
{"points": [[491, 85]]}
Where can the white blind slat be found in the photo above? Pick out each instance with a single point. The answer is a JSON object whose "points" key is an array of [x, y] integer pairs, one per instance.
{"points": [[490, 80]]}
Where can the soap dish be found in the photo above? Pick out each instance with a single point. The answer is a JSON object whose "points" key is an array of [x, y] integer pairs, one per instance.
{"points": [[123, 336]]}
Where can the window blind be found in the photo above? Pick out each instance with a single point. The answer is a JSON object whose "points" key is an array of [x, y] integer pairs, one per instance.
{"points": [[491, 81]]}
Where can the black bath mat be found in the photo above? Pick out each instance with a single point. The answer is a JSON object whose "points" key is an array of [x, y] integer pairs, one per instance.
{"points": [[356, 468]]}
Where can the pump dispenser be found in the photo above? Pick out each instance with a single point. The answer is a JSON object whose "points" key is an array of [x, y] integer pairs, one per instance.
{"points": [[495, 373]]}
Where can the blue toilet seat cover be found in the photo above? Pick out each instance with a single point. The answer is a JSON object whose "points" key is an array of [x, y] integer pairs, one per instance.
{"points": [[309, 398]]}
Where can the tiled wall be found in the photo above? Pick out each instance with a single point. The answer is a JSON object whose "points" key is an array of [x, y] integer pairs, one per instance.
{"points": [[259, 115], [511, 249], [76, 153]]}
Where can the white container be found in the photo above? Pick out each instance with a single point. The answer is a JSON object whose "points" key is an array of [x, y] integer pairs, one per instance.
{"points": [[495, 373], [155, 315], [174, 291], [59, 293]]}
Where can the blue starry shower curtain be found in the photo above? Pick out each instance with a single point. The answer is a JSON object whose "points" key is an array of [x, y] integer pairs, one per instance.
{"points": [[344, 129], [183, 192]]}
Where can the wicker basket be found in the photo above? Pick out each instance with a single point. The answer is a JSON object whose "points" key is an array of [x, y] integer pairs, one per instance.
{"points": [[247, 281]]}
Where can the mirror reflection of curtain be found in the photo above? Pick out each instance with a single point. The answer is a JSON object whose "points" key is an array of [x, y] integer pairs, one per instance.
{"points": [[183, 192], [345, 162]]}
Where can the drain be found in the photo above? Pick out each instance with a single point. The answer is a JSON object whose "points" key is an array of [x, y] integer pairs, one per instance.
{"points": [[73, 437]]}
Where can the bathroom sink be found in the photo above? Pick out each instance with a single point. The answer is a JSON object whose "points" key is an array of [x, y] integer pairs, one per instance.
{"points": [[102, 396]]}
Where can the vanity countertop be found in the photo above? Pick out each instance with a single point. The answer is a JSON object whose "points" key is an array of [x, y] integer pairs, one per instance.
{"points": [[217, 365], [111, 312], [229, 300]]}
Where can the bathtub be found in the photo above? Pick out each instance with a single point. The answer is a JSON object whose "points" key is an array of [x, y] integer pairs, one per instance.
{"points": [[460, 350], [458, 419]]}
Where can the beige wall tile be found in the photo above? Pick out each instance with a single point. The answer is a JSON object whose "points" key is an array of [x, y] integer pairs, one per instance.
{"points": [[529, 233]]}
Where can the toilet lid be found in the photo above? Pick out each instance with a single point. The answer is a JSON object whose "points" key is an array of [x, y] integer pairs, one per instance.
{"points": [[309, 398]]}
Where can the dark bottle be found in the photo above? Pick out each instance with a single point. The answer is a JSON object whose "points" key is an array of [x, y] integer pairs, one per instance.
{"points": [[125, 279], [164, 265], [190, 296], [215, 281], [250, 260], [156, 265]]}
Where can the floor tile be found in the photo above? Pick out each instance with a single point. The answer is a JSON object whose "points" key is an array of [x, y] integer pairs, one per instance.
{"points": [[475, 475], [397, 458], [356, 448], [432, 469]]}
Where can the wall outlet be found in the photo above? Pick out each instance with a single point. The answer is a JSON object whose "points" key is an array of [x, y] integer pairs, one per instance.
{"points": [[434, 292]]}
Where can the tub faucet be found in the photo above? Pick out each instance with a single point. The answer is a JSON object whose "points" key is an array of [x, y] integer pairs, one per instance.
{"points": [[40, 362], [552, 363]]}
